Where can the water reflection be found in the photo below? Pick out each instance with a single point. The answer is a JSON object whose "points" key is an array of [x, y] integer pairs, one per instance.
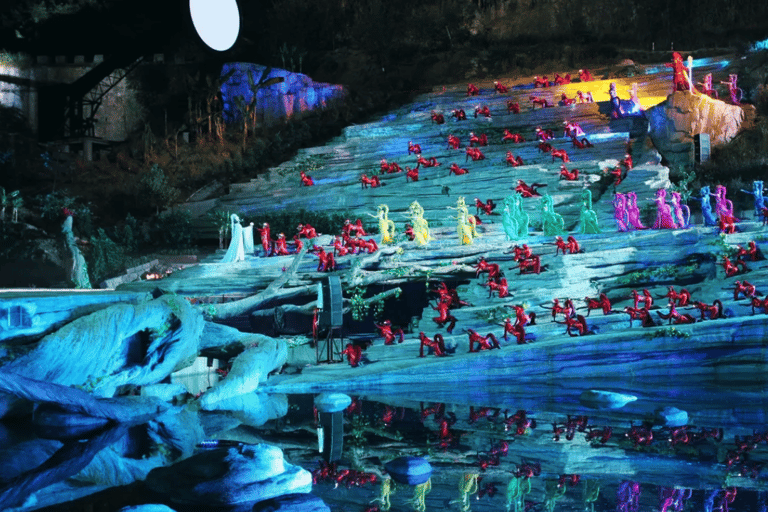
{"points": [[493, 448]]}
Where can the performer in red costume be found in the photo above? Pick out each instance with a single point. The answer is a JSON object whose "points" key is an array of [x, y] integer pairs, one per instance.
{"points": [[474, 153], [585, 75], [354, 355], [460, 115], [518, 331], [512, 137], [385, 329], [600, 303], [500, 88], [483, 111], [373, 181], [492, 268], [743, 288], [266, 241], [437, 345], [427, 162], [679, 73], [458, 171], [472, 90], [514, 161], [513, 107], [307, 231], [486, 207], [326, 262], [281, 247], [561, 154], [443, 309], [499, 286], [480, 140], [537, 100], [528, 190], [486, 342], [306, 180]]}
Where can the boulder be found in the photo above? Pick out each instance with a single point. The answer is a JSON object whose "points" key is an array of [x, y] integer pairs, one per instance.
{"points": [[332, 402], [409, 470], [674, 122]]}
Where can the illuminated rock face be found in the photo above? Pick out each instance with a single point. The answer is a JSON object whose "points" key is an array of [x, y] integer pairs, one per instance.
{"points": [[674, 123], [295, 95]]}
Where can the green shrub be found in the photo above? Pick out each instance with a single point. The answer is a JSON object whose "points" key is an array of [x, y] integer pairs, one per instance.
{"points": [[105, 258], [155, 190], [173, 230]]}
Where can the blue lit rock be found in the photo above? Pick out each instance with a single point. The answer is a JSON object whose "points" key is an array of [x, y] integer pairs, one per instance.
{"points": [[295, 95], [254, 409], [79, 354], [409, 470], [235, 476], [672, 417], [165, 392], [332, 402], [600, 399]]}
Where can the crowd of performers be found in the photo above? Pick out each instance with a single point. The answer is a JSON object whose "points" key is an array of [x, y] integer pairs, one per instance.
{"points": [[671, 213]]}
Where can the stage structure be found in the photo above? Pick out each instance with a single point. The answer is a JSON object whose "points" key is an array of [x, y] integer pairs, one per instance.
{"points": [[330, 319]]}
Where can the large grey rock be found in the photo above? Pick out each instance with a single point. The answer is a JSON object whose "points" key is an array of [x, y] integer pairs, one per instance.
{"points": [[674, 123]]}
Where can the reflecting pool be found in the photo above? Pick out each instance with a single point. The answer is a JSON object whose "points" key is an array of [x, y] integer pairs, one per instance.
{"points": [[493, 447]]}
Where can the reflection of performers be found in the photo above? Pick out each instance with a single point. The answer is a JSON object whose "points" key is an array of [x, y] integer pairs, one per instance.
{"points": [[680, 80]]}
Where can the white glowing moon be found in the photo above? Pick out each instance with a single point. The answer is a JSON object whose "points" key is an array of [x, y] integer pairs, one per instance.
{"points": [[217, 22]]}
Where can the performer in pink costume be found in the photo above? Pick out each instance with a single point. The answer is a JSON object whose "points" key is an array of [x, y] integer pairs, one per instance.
{"points": [[633, 212], [681, 211], [664, 218], [723, 206], [620, 211]]}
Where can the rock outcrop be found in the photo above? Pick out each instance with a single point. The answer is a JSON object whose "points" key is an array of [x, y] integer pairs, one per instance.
{"points": [[675, 122], [295, 95]]}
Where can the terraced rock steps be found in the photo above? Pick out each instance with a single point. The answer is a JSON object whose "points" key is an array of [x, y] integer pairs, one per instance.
{"points": [[612, 262]]}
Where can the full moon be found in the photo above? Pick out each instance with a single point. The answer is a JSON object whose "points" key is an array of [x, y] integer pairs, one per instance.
{"points": [[217, 22]]}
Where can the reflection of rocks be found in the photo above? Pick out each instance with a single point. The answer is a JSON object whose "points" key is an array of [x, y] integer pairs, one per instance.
{"points": [[236, 476], [674, 123], [253, 409], [292, 503], [147, 508]]}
